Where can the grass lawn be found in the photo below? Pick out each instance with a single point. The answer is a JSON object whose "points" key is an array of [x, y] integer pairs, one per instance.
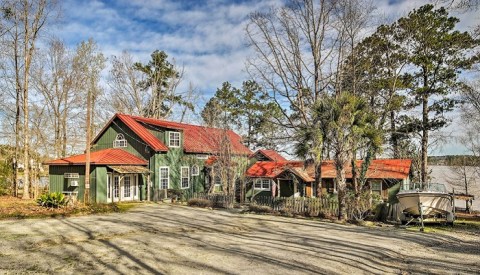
{"points": [[460, 225], [11, 207]]}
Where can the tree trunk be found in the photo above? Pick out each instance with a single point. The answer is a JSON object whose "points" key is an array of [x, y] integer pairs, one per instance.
{"points": [[342, 193], [394, 136], [26, 130], [318, 179], [86, 196], [424, 165]]}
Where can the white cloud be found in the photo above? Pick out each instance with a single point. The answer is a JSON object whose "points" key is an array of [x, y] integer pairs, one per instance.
{"points": [[207, 37]]}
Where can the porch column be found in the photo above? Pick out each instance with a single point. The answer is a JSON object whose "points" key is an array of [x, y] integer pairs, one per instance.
{"points": [[148, 187]]}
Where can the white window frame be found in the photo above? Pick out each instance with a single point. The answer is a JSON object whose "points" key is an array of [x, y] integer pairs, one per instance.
{"points": [[127, 191], [116, 187], [170, 139], [197, 171], [217, 182], [120, 141], [200, 156], [182, 176], [160, 177], [71, 175], [263, 183]]}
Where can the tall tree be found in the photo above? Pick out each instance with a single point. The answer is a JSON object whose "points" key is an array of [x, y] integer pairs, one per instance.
{"points": [[348, 119], [436, 54], [127, 95], [300, 51], [25, 21], [222, 110], [55, 79], [161, 79], [247, 110], [90, 61]]}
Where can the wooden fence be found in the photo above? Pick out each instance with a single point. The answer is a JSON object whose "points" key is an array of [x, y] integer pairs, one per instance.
{"points": [[309, 206], [218, 200]]}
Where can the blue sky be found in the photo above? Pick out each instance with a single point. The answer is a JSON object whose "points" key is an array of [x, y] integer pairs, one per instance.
{"points": [[206, 37]]}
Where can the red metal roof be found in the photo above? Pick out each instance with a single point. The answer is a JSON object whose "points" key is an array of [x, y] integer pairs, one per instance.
{"points": [[196, 139], [271, 169], [378, 169], [143, 133], [138, 129], [200, 139], [111, 156], [269, 154]]}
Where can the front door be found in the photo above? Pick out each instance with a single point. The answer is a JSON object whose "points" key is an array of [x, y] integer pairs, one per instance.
{"points": [[286, 188], [122, 188]]}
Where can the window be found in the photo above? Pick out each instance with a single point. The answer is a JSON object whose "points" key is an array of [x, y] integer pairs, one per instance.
{"points": [[71, 175], [119, 141], [377, 187], [195, 170], [185, 177], [173, 139], [126, 187], [199, 156], [164, 177], [262, 184], [218, 184], [116, 187]]}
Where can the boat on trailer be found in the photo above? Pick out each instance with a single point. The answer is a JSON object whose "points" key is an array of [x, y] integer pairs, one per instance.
{"points": [[425, 201]]}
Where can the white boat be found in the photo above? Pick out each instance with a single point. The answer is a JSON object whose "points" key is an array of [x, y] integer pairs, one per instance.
{"points": [[425, 201]]}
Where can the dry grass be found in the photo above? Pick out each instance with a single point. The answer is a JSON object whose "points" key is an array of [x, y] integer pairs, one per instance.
{"points": [[15, 208], [200, 203]]}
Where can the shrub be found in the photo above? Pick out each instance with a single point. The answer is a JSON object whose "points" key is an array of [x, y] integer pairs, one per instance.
{"points": [[200, 203], [4, 187], [260, 208], [53, 200]]}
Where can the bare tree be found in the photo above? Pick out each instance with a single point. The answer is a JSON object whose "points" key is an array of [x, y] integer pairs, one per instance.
{"points": [[90, 61], [464, 179], [26, 20], [127, 96], [55, 79], [295, 59]]}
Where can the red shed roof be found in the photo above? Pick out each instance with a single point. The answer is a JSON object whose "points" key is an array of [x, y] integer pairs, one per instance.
{"points": [[378, 169], [269, 154], [111, 156]]}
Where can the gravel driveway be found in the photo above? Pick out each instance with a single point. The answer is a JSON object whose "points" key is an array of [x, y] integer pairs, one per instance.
{"points": [[169, 239]]}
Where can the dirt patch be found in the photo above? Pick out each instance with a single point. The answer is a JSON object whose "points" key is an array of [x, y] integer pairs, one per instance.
{"points": [[161, 238]]}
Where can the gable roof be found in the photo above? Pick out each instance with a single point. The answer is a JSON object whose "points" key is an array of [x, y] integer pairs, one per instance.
{"points": [[138, 129], [269, 154], [110, 156], [196, 139], [378, 169]]}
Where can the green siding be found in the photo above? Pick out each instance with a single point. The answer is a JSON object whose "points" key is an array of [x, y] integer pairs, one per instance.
{"points": [[175, 159], [135, 145], [101, 184], [58, 183]]}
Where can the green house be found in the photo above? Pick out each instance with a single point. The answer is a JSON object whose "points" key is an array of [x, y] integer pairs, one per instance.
{"points": [[137, 158]]}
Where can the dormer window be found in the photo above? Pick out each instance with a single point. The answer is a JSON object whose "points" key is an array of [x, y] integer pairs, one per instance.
{"points": [[119, 141], [174, 139]]}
